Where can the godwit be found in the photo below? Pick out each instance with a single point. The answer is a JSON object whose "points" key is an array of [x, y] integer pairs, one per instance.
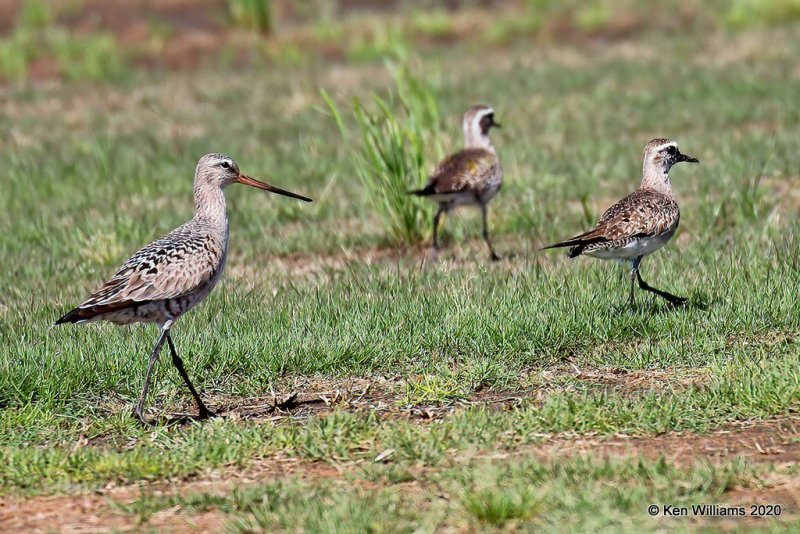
{"points": [[640, 223], [171, 275], [471, 176]]}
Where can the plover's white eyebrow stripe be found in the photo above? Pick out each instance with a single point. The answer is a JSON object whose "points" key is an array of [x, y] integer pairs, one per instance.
{"points": [[665, 145]]}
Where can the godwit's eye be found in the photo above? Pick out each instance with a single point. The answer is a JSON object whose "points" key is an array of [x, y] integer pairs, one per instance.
{"points": [[225, 165]]}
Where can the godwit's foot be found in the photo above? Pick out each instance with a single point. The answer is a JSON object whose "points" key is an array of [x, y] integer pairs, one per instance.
{"points": [[205, 413], [495, 257], [186, 418], [202, 410], [138, 414]]}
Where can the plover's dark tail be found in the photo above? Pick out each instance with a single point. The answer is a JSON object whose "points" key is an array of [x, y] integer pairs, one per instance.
{"points": [[578, 243], [424, 192]]}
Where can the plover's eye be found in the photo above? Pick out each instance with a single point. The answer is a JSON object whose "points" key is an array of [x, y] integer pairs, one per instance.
{"points": [[671, 150]]}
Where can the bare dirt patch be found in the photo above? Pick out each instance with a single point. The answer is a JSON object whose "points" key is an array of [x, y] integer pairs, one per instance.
{"points": [[775, 440], [189, 34], [87, 514], [304, 397], [105, 510], [392, 397]]}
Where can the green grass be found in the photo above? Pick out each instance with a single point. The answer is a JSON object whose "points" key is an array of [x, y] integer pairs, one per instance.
{"points": [[37, 37], [93, 174], [740, 390], [744, 13], [252, 14], [573, 495]]}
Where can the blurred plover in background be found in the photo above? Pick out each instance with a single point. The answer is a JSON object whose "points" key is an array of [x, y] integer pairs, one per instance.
{"points": [[470, 177]]}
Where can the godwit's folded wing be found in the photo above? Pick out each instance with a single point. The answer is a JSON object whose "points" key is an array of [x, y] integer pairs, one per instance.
{"points": [[180, 263]]}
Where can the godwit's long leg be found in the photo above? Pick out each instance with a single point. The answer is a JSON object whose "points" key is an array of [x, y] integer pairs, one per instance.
{"points": [[138, 411], [204, 413], [485, 216]]}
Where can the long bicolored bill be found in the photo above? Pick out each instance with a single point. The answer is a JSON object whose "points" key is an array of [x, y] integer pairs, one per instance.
{"points": [[246, 180]]}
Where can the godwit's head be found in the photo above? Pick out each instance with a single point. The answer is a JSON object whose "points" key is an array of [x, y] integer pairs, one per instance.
{"points": [[658, 158], [219, 171], [478, 120]]}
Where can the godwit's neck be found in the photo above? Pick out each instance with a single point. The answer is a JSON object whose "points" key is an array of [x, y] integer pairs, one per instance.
{"points": [[656, 178], [209, 201], [473, 139]]}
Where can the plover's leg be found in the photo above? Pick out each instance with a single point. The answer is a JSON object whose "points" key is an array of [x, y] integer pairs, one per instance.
{"points": [[203, 412], [484, 214], [138, 411], [669, 297], [436, 219], [634, 269]]}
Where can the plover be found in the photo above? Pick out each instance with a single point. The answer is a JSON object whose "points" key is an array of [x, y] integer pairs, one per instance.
{"points": [[640, 223], [168, 277], [471, 176]]}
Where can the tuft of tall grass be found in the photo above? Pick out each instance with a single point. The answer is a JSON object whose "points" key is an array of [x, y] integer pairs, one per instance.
{"points": [[252, 14], [392, 149], [497, 506]]}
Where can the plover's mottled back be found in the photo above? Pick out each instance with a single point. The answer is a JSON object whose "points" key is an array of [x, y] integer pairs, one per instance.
{"points": [[471, 176], [640, 223], [168, 277]]}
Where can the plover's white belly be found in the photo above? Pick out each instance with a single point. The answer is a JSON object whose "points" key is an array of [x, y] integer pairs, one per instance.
{"points": [[640, 246]]}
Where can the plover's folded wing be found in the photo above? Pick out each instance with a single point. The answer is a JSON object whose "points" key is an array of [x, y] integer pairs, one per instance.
{"points": [[460, 172], [641, 214]]}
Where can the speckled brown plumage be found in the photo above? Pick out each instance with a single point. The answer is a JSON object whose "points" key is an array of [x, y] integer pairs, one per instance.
{"points": [[163, 280], [642, 215], [642, 222], [168, 277], [473, 171]]}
